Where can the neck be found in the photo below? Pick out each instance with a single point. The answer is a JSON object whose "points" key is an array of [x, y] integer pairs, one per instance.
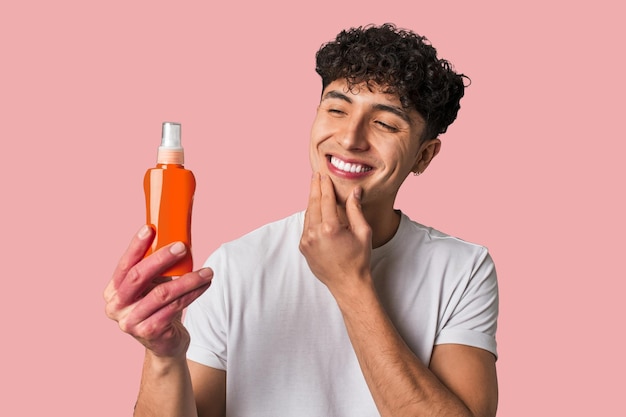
{"points": [[384, 226], [384, 223]]}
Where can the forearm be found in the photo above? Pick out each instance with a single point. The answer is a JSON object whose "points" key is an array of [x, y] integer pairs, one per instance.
{"points": [[165, 389], [400, 383]]}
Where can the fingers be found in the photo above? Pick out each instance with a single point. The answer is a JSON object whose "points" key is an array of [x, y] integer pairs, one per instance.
{"points": [[313, 213], [155, 319], [134, 253], [141, 275], [322, 201], [135, 277], [328, 201], [355, 215], [353, 205], [165, 302], [148, 306]]}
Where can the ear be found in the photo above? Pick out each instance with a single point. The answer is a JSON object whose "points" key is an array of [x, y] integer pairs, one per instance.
{"points": [[428, 150]]}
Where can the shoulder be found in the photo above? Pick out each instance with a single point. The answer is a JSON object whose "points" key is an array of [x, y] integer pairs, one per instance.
{"points": [[276, 232], [436, 244], [443, 258], [277, 236]]}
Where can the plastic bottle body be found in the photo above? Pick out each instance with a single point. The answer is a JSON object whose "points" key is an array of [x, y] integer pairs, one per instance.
{"points": [[169, 190]]}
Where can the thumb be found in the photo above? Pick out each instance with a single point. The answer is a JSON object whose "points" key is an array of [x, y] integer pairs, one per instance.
{"points": [[355, 213]]}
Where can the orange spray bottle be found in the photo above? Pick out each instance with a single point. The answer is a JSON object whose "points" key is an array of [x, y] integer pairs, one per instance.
{"points": [[169, 190]]}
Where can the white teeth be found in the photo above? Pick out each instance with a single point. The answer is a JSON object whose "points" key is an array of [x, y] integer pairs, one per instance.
{"points": [[347, 166]]}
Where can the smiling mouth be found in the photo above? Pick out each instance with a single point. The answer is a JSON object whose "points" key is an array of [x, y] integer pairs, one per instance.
{"points": [[348, 167]]}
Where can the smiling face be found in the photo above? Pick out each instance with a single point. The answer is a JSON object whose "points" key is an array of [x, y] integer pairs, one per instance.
{"points": [[365, 137]]}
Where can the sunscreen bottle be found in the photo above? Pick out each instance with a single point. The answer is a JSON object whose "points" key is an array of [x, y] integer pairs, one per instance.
{"points": [[169, 190]]}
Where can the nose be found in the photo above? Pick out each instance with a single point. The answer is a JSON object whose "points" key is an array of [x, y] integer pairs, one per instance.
{"points": [[354, 135]]}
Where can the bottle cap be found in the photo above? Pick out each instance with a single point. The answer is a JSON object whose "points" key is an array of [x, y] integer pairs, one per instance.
{"points": [[171, 150]]}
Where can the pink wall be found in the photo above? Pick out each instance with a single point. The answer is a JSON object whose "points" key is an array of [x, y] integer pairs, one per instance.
{"points": [[530, 169]]}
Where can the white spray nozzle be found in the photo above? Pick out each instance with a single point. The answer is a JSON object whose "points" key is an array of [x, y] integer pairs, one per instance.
{"points": [[171, 136], [171, 150]]}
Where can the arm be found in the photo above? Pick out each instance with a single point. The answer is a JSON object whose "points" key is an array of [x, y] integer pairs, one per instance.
{"points": [[461, 380], [209, 389], [166, 388], [149, 308]]}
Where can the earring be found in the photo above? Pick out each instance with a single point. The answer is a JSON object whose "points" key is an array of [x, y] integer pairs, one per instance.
{"points": [[416, 173]]}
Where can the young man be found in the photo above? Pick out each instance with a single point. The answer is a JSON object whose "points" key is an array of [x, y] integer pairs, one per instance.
{"points": [[349, 308]]}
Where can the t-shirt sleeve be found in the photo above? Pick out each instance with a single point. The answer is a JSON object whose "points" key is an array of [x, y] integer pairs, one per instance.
{"points": [[206, 321], [474, 314]]}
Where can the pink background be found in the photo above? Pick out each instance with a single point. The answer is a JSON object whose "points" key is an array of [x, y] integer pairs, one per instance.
{"points": [[530, 169]]}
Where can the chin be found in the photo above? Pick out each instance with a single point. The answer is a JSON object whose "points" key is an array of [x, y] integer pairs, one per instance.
{"points": [[341, 197]]}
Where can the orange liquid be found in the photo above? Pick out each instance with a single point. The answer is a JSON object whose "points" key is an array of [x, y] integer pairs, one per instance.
{"points": [[169, 192]]}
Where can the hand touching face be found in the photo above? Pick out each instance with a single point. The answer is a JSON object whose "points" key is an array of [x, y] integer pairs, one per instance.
{"points": [[337, 244]]}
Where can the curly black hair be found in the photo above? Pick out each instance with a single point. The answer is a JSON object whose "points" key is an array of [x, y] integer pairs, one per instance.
{"points": [[401, 61]]}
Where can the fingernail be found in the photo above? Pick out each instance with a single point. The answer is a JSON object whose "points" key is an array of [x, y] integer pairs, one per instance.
{"points": [[357, 193], [178, 248], [144, 232], [205, 272]]}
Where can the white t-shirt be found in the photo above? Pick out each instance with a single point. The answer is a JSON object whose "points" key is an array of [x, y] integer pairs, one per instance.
{"points": [[277, 330]]}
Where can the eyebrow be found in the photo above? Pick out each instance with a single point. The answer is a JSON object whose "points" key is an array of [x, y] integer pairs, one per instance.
{"points": [[398, 111], [395, 110], [337, 94]]}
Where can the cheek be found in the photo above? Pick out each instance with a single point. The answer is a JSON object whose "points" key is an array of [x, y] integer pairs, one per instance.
{"points": [[393, 155], [314, 155], [313, 161]]}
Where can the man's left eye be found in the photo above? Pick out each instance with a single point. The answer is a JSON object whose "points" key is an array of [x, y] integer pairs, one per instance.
{"points": [[386, 126]]}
